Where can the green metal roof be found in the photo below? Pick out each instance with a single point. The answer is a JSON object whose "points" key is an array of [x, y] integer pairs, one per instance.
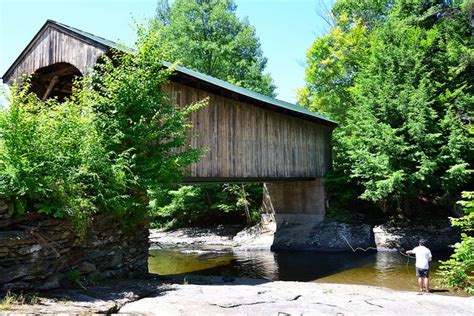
{"points": [[97, 39], [249, 93], [107, 44]]}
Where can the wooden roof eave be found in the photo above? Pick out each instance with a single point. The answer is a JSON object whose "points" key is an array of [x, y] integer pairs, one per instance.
{"points": [[7, 75]]}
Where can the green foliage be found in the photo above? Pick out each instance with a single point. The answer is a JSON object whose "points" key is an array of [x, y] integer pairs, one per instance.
{"points": [[208, 36], [398, 78], [206, 204], [105, 149], [74, 276], [405, 138], [244, 199], [139, 120], [137, 116], [370, 13], [458, 271], [53, 159], [333, 60], [11, 298]]}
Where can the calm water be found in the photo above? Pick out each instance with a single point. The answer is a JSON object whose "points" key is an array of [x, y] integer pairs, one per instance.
{"points": [[385, 269]]}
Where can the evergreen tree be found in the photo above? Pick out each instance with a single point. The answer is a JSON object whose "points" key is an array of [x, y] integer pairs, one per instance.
{"points": [[401, 87]]}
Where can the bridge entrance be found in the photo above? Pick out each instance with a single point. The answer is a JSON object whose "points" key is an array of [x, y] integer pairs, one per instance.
{"points": [[55, 80]]}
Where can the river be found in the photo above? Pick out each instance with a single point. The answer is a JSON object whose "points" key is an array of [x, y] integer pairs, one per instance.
{"points": [[386, 269]]}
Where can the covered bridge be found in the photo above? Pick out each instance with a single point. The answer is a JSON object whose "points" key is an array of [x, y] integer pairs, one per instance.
{"points": [[249, 136]]}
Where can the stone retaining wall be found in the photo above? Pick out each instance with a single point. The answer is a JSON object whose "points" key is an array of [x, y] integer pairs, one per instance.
{"points": [[39, 252]]}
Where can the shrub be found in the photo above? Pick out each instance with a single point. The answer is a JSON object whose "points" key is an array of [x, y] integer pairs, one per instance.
{"points": [[53, 159], [458, 271], [116, 140]]}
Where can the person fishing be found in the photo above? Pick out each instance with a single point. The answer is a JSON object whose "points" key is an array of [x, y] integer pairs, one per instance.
{"points": [[423, 257]]}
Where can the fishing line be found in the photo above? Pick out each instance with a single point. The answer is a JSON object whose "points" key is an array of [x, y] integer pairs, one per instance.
{"points": [[408, 260], [358, 248], [372, 248]]}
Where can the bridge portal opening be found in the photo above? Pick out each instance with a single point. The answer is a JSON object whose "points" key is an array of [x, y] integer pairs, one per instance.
{"points": [[55, 80]]}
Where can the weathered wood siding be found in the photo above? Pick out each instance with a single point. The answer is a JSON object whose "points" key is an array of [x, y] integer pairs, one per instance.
{"points": [[246, 141], [54, 46]]}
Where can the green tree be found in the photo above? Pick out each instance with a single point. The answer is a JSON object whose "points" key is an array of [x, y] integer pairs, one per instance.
{"points": [[206, 204], [405, 138], [207, 36], [333, 60], [138, 118], [398, 78]]}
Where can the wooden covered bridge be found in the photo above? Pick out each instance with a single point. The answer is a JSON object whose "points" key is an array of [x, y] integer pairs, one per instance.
{"points": [[249, 136]]}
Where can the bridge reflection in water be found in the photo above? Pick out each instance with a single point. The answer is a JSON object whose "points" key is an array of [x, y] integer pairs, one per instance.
{"points": [[387, 269]]}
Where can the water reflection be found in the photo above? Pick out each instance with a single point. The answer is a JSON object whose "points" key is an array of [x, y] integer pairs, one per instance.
{"points": [[309, 266], [179, 261], [257, 264], [385, 269]]}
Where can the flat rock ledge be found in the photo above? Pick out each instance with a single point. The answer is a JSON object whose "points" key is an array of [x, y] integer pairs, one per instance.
{"points": [[213, 296]]}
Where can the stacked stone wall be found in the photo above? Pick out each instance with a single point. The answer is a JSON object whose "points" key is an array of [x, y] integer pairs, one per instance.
{"points": [[41, 252]]}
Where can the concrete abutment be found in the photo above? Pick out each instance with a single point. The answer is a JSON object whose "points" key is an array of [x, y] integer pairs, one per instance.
{"points": [[295, 202]]}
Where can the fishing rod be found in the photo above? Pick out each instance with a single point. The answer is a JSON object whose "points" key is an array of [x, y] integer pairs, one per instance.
{"points": [[404, 254]]}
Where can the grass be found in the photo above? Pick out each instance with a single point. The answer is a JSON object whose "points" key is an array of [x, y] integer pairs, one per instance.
{"points": [[11, 299]]}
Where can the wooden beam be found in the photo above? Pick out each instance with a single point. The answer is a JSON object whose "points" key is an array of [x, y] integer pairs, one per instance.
{"points": [[62, 72], [50, 87]]}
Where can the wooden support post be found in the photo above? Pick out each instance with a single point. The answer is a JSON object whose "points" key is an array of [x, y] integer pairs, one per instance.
{"points": [[50, 87]]}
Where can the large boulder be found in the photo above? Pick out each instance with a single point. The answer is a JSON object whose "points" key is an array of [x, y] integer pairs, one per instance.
{"points": [[325, 236], [258, 237], [391, 237]]}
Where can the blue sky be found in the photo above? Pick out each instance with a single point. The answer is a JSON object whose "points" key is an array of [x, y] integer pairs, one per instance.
{"points": [[286, 28]]}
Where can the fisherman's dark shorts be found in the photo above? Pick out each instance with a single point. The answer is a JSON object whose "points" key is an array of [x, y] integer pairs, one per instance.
{"points": [[422, 273]]}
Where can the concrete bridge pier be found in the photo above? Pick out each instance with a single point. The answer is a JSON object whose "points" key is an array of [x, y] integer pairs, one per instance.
{"points": [[295, 202]]}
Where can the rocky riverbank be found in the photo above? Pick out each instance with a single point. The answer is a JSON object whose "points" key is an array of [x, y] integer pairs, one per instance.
{"points": [[211, 295], [203, 295], [325, 236], [194, 237]]}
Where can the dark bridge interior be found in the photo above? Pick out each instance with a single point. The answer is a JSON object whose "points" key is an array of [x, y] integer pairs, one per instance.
{"points": [[55, 80]]}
